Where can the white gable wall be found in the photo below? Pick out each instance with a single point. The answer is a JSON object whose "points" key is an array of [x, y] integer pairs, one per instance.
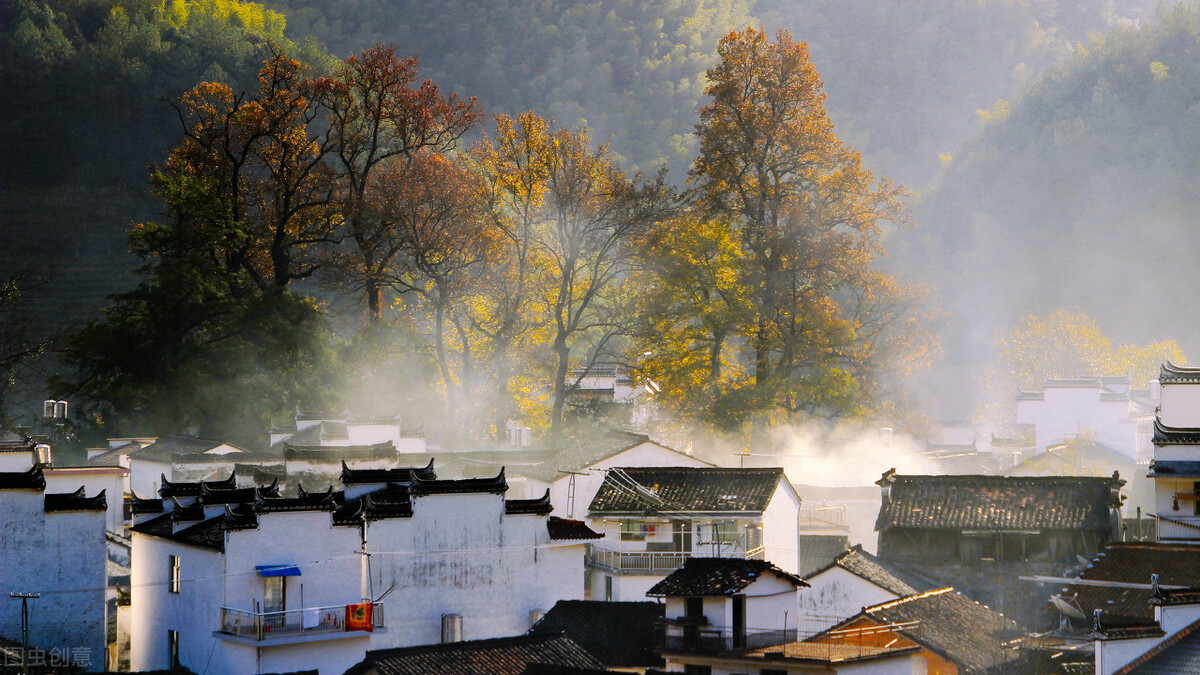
{"points": [[838, 594], [781, 527], [586, 485], [1180, 405]]}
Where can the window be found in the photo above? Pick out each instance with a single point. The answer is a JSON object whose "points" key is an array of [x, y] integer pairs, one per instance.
{"points": [[772, 671], [173, 648], [697, 670], [174, 585], [633, 530], [725, 531]]}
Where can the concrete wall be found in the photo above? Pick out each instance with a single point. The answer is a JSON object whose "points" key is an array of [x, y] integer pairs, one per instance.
{"points": [[62, 556], [93, 480], [781, 528], [1066, 412], [836, 595], [1180, 405]]}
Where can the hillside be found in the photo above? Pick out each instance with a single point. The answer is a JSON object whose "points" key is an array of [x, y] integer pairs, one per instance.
{"points": [[1083, 193]]}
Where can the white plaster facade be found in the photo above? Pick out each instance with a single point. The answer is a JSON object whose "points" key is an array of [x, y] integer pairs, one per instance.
{"points": [[110, 479], [1108, 408], [463, 553], [587, 480], [622, 567], [836, 594], [61, 555]]}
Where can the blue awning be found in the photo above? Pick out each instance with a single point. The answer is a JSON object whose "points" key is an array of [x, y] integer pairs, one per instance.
{"points": [[277, 570]]}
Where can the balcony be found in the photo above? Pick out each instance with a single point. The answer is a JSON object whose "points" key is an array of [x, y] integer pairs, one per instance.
{"points": [[1178, 528], [294, 625], [681, 635], [657, 562]]}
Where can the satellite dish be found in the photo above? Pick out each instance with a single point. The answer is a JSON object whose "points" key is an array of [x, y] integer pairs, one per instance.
{"points": [[1065, 607]]}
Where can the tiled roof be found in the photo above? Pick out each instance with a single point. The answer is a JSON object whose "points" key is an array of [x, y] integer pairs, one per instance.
{"points": [[1171, 373], [495, 485], [162, 449], [497, 656], [540, 506], [1177, 655], [335, 453], [670, 489], [383, 476], [716, 577], [208, 533], [621, 634], [33, 479], [18, 445], [1165, 435], [310, 501], [862, 564], [997, 502], [210, 496], [74, 501], [139, 505], [170, 489], [956, 628], [565, 529], [586, 454], [392, 501], [1134, 562], [1172, 468]]}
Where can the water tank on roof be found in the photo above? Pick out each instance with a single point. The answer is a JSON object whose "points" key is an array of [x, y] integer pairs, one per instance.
{"points": [[452, 628], [60, 410], [48, 408], [41, 453]]}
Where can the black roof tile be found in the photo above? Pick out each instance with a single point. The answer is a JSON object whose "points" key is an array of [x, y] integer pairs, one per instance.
{"points": [[494, 485], [33, 479], [716, 576], [669, 489], [620, 634], [866, 566], [140, 506], [383, 476], [497, 656], [953, 626], [1165, 435], [1133, 562], [998, 502], [170, 489], [392, 501], [540, 506], [563, 529], [74, 501], [165, 447], [1178, 374], [1171, 468], [334, 453]]}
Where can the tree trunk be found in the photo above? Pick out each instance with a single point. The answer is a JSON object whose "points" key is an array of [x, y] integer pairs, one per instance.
{"points": [[560, 384]]}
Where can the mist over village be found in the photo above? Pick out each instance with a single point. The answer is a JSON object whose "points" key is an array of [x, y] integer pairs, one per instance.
{"points": [[502, 337]]}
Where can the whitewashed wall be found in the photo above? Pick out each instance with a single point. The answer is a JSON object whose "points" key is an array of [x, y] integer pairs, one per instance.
{"points": [[781, 528], [1180, 405], [642, 455], [838, 594], [93, 480], [1066, 412], [62, 556]]}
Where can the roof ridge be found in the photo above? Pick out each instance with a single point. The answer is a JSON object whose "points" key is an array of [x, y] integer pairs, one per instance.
{"points": [[1161, 647], [908, 598]]}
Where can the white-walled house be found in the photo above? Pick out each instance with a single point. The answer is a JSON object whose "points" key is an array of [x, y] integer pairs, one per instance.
{"points": [[655, 518], [1176, 465], [53, 544], [854, 580], [333, 430], [236, 580], [93, 480], [1109, 409]]}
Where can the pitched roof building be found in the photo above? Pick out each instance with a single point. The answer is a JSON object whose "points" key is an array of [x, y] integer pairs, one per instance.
{"points": [[656, 518], [619, 634], [497, 656]]}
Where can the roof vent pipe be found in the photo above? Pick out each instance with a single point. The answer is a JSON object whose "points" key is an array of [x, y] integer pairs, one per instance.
{"points": [[452, 628]]}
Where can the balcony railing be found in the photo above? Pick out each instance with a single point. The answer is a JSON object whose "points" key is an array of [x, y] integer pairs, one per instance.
{"points": [[293, 622], [683, 636], [657, 562]]}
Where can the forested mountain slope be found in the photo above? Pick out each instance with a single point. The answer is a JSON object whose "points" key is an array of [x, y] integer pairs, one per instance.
{"points": [[1084, 193]]}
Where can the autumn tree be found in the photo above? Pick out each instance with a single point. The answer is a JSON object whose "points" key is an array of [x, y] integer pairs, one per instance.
{"points": [[377, 113], [213, 339], [432, 214], [806, 219]]}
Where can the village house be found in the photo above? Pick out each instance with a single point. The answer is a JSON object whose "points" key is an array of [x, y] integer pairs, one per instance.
{"points": [[338, 430], [728, 616], [1109, 409], [53, 547], [954, 634], [622, 635], [981, 533], [1176, 465], [855, 579], [240, 580], [656, 518]]}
